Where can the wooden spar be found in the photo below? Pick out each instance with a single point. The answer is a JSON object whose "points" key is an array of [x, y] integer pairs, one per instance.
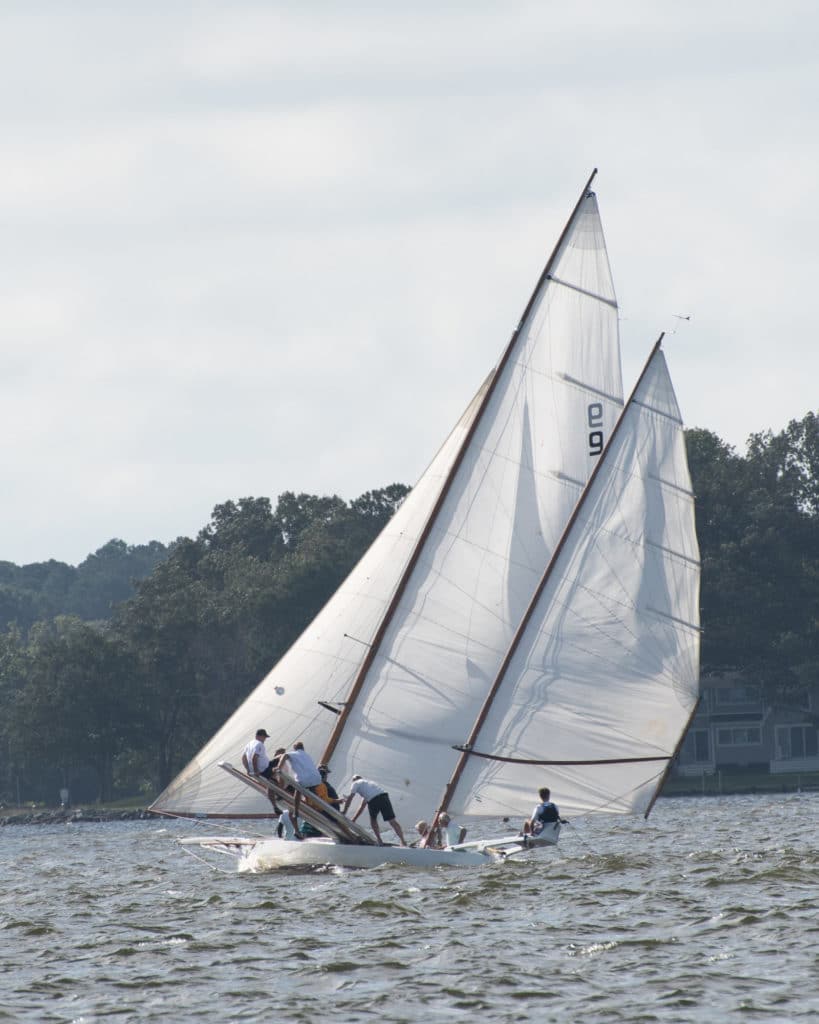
{"points": [[671, 760], [527, 615], [375, 645], [530, 760], [327, 819]]}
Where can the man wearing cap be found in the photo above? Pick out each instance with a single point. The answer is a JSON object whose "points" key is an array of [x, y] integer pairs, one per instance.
{"points": [[256, 762]]}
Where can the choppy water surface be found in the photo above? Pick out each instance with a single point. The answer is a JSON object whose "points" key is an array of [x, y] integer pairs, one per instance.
{"points": [[708, 911]]}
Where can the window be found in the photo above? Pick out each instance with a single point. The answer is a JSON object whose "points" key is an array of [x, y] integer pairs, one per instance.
{"points": [[739, 736], [796, 741], [741, 693], [697, 746]]}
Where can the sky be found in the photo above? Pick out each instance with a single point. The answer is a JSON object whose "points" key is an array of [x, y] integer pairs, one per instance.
{"points": [[255, 247]]}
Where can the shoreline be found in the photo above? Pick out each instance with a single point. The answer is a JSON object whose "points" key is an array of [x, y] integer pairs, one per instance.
{"points": [[78, 815], [70, 816]]}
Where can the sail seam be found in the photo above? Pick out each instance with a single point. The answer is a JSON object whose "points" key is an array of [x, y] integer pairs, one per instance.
{"points": [[583, 291]]}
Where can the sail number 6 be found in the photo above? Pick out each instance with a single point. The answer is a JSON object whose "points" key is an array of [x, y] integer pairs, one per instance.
{"points": [[595, 420]]}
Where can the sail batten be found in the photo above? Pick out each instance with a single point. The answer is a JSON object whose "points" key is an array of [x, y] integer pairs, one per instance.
{"points": [[673, 554], [686, 492], [584, 291], [586, 386], [695, 627], [675, 417]]}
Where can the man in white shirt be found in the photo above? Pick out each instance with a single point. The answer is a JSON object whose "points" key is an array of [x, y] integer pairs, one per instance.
{"points": [[303, 769], [256, 762], [378, 802]]}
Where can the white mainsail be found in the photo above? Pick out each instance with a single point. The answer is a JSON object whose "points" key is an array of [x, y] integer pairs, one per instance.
{"points": [[556, 398]]}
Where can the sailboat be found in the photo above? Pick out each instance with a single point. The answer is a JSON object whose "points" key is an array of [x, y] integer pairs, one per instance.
{"points": [[529, 617]]}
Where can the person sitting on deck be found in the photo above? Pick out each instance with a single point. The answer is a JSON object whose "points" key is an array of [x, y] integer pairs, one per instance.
{"points": [[378, 802], [256, 762], [422, 827], [450, 832], [546, 813]]}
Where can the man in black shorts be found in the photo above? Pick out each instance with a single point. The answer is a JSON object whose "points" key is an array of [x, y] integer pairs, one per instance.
{"points": [[378, 802]]}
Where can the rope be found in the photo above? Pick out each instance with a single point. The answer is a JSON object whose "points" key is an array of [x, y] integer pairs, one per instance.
{"points": [[207, 863]]}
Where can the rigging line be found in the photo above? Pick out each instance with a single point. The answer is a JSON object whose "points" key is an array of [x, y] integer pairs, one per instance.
{"points": [[583, 291], [364, 643], [213, 867], [466, 749], [576, 831], [206, 822]]}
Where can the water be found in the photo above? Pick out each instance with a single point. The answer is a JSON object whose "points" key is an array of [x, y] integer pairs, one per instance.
{"points": [[708, 911]]}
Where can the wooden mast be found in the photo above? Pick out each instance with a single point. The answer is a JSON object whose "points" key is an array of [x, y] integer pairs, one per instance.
{"points": [[496, 685], [358, 683]]}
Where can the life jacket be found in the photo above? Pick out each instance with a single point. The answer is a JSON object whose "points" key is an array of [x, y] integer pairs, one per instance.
{"points": [[321, 791], [547, 814]]}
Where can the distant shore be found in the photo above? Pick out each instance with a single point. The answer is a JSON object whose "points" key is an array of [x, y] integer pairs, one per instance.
{"points": [[712, 785], [71, 815]]}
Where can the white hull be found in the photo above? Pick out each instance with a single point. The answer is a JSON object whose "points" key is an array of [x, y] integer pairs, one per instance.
{"points": [[272, 854], [264, 855]]}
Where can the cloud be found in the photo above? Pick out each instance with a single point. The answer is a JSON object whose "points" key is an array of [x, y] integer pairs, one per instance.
{"points": [[259, 249]]}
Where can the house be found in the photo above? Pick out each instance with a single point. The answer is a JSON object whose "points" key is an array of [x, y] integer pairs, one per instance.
{"points": [[736, 728]]}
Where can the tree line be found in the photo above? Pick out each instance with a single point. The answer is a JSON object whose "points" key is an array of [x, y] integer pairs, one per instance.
{"points": [[116, 707], [113, 694]]}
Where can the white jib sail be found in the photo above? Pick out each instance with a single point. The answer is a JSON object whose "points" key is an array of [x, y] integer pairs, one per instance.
{"points": [[608, 666], [552, 409], [320, 666]]}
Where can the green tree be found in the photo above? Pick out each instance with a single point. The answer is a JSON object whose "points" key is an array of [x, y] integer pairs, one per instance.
{"points": [[758, 528], [73, 706]]}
